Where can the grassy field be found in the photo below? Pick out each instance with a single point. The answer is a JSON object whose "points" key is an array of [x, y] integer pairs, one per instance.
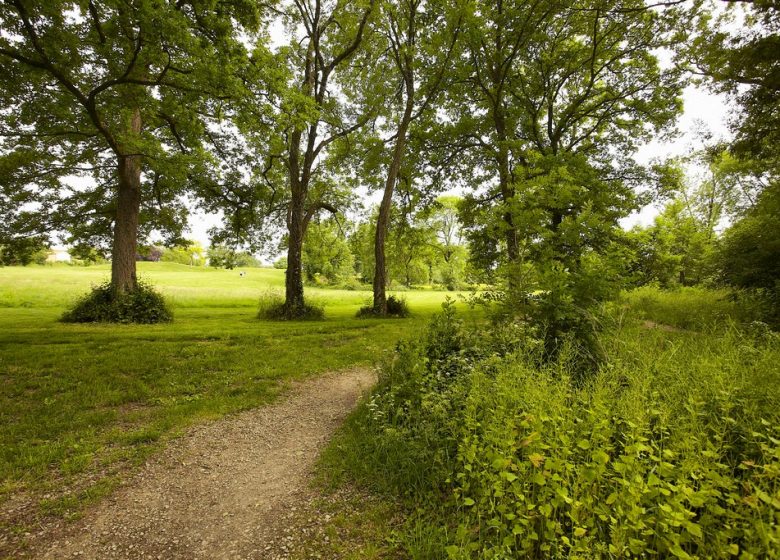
{"points": [[80, 404]]}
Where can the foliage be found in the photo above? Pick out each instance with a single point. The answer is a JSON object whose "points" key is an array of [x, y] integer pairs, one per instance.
{"points": [[670, 449], [744, 62], [190, 253], [104, 305], [221, 256], [326, 253], [749, 252], [675, 251], [280, 263], [696, 308], [273, 307], [23, 251], [396, 307], [89, 89], [557, 125]]}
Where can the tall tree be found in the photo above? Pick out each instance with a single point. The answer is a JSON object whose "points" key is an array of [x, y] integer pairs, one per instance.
{"points": [[565, 92], [117, 93], [418, 40], [314, 119]]}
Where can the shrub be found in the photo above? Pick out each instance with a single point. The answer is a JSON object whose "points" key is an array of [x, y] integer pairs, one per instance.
{"points": [[144, 305], [396, 307], [273, 307], [668, 450]]}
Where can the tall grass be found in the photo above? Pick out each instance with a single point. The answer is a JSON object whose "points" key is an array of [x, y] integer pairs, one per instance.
{"points": [[671, 450]]}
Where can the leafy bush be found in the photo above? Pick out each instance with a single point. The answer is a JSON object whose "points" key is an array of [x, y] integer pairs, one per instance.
{"points": [[273, 307], [102, 305], [669, 450], [396, 307]]}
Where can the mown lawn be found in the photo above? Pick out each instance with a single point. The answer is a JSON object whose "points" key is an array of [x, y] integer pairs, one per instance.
{"points": [[80, 404]]}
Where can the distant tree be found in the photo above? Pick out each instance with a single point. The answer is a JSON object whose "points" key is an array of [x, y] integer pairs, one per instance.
{"points": [[22, 251], [191, 253], [221, 256], [326, 253]]}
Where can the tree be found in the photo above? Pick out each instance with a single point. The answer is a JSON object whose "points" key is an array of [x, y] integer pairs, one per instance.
{"points": [[326, 253], [559, 96], [744, 61], [313, 120], [418, 39], [119, 94], [449, 245]]}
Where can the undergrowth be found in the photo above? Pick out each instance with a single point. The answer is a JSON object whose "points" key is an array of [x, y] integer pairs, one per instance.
{"points": [[102, 304], [670, 449], [396, 307], [273, 307]]}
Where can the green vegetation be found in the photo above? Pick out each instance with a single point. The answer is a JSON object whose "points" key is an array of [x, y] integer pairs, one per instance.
{"points": [[669, 449], [101, 305], [80, 403]]}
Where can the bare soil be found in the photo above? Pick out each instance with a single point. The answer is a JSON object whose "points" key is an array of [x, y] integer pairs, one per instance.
{"points": [[225, 490]]}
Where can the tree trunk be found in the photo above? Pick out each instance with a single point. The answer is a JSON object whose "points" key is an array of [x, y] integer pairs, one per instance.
{"points": [[294, 274], [125, 242], [380, 269]]}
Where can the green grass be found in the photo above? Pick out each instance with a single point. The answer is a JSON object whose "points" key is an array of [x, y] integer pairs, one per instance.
{"points": [[79, 403], [670, 450]]}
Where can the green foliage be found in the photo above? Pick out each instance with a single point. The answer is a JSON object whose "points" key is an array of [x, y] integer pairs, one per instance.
{"points": [[280, 263], [396, 307], [104, 305], [22, 251], [189, 254], [273, 307], [696, 308], [221, 256], [669, 450], [73, 79], [326, 253]]}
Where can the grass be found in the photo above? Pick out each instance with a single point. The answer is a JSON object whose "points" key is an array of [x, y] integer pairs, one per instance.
{"points": [[670, 450], [80, 404]]}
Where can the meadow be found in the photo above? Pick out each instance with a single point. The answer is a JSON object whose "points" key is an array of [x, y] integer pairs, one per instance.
{"points": [[80, 405]]}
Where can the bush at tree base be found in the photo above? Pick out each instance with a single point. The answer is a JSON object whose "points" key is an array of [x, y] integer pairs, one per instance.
{"points": [[273, 307], [102, 305], [396, 307]]}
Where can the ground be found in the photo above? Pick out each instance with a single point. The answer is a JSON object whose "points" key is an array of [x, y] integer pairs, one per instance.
{"points": [[223, 490], [83, 407]]}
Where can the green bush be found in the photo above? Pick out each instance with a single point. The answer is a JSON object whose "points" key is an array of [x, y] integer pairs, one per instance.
{"points": [[669, 450], [396, 307], [272, 307], [102, 305]]}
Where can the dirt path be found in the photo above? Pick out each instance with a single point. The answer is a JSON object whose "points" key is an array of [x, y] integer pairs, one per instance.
{"points": [[223, 490]]}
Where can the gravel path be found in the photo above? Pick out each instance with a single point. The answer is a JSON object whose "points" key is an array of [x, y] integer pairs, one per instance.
{"points": [[224, 489]]}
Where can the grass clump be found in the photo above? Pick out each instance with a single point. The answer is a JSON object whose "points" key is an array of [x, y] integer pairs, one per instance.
{"points": [[143, 305], [273, 307], [397, 307], [669, 450]]}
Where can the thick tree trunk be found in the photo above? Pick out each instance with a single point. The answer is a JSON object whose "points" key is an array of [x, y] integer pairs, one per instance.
{"points": [[380, 269], [294, 274], [125, 242]]}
